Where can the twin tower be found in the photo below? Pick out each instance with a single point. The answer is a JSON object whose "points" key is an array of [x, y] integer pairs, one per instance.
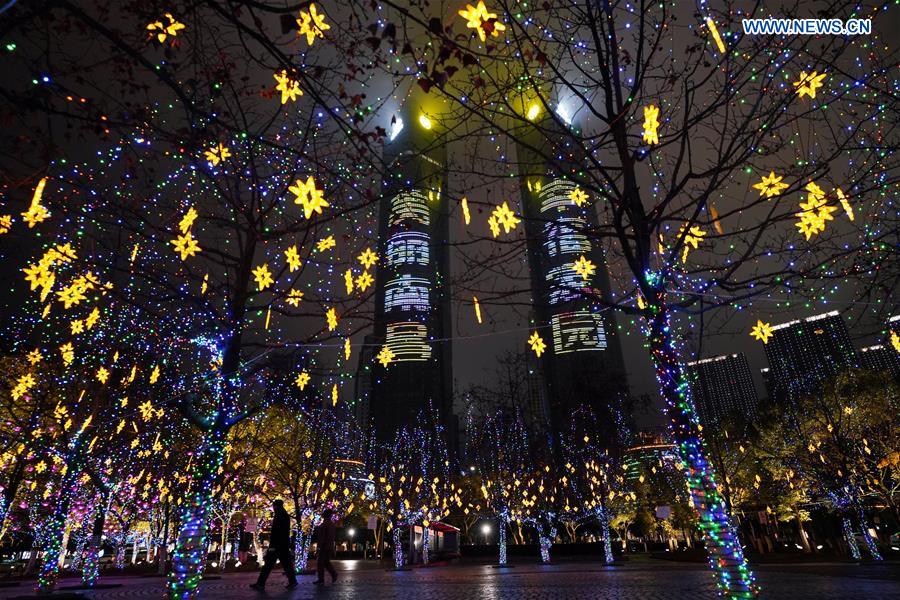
{"points": [[583, 362]]}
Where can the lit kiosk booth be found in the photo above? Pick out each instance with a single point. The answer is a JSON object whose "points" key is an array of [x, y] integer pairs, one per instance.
{"points": [[443, 543]]}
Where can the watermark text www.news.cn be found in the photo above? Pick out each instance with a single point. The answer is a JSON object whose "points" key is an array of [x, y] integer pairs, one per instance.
{"points": [[773, 26]]}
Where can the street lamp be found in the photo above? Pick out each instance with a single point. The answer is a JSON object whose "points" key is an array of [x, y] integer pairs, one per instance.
{"points": [[485, 530]]}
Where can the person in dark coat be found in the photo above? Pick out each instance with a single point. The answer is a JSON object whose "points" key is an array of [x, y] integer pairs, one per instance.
{"points": [[325, 548], [279, 548]]}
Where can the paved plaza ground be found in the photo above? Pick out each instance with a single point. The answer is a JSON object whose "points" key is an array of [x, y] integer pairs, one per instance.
{"points": [[643, 579]]}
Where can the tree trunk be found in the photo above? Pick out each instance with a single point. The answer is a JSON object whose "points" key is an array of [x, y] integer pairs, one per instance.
{"points": [[722, 544], [398, 548], [603, 515], [54, 542], [871, 546], [807, 549], [164, 546], [189, 558], [502, 520], [90, 570]]}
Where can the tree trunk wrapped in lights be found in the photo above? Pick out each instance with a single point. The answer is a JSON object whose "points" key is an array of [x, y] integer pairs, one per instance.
{"points": [[53, 533], [726, 557], [189, 557], [90, 571], [399, 558], [603, 517], [502, 522]]}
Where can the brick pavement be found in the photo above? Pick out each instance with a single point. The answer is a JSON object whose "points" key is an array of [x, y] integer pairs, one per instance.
{"points": [[643, 579]]}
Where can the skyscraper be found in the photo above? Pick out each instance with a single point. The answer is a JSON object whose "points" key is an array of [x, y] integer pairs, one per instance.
{"points": [[722, 385], [583, 363], [880, 358], [805, 352], [412, 312]]}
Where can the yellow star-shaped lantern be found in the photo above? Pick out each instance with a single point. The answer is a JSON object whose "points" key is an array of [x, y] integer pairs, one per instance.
{"points": [[331, 319], [5, 223], [217, 154], [584, 267], [164, 30], [809, 83], [771, 185], [364, 281], [348, 280], [289, 88], [294, 297], [309, 197], [292, 256], [187, 221], [186, 245], [67, 353], [385, 356], [312, 24], [761, 331], [895, 340], [36, 212], [503, 217], [263, 277], [302, 379], [651, 124], [692, 239], [483, 22], [578, 196], [34, 356], [537, 343], [102, 375], [368, 258], [815, 212], [326, 243]]}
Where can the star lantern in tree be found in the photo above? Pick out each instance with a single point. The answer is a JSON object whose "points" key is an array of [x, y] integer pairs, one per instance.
{"points": [[761, 331], [217, 154], [385, 356], [294, 297], [263, 276], [301, 380], [331, 319], [483, 22], [503, 217], [186, 245], [289, 87], [809, 83], [537, 344], [309, 197], [292, 256], [36, 212], [771, 185], [364, 281], [368, 258], [584, 267], [692, 239], [312, 24], [164, 30], [578, 196], [651, 124], [326, 243]]}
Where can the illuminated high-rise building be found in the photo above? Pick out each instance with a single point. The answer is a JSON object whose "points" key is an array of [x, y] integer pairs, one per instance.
{"points": [[880, 358], [412, 312], [583, 363], [805, 352], [722, 386]]}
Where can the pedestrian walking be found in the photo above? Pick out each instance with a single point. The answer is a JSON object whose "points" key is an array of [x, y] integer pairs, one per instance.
{"points": [[325, 547], [279, 548]]}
